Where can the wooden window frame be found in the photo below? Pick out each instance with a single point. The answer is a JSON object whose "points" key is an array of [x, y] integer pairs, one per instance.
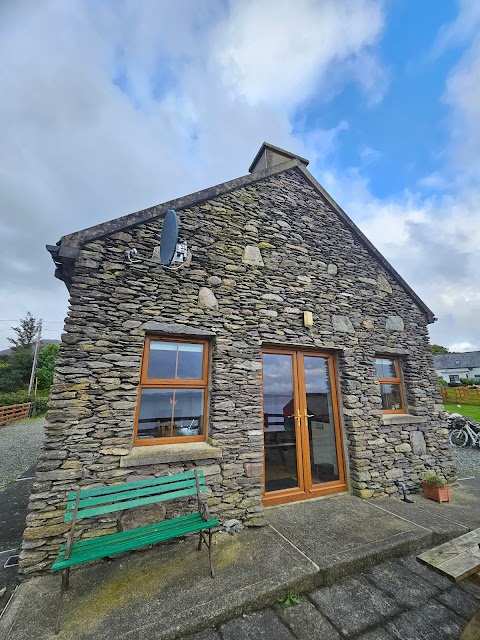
{"points": [[397, 380], [166, 383]]}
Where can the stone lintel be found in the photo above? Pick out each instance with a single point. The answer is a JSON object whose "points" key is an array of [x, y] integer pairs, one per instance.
{"points": [[402, 418], [176, 329], [164, 453], [394, 351]]}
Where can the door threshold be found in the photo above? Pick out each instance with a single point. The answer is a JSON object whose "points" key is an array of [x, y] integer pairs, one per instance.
{"points": [[314, 499], [278, 501]]}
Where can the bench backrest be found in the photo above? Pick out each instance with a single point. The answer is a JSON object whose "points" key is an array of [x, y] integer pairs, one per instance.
{"points": [[117, 497]]}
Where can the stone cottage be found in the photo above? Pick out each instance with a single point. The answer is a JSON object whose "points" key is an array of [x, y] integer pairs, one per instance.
{"points": [[285, 357]]}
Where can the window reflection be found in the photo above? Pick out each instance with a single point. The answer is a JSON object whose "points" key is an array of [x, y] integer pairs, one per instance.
{"points": [[279, 423], [391, 397], [175, 360], [321, 424], [167, 413]]}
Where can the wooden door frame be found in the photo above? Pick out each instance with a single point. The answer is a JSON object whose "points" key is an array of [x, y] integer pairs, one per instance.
{"points": [[272, 498]]}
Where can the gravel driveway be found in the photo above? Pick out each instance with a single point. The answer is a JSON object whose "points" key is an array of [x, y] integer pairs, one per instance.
{"points": [[20, 444], [467, 460]]}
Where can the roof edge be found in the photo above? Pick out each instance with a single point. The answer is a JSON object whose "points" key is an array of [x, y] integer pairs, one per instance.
{"points": [[79, 238]]}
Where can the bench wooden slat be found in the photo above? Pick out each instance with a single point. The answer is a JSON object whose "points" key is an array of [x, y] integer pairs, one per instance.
{"points": [[137, 484], [129, 540], [129, 504], [121, 535], [135, 493]]}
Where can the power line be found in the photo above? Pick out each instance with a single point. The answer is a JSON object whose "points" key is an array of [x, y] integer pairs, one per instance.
{"points": [[49, 321]]}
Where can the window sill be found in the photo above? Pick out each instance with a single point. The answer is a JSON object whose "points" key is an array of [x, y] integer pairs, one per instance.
{"points": [[164, 453], [402, 418]]}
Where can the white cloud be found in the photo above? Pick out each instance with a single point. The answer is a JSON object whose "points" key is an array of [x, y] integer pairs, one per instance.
{"points": [[462, 347], [276, 51]]}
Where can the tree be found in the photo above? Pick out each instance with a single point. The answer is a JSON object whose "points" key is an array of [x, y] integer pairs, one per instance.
{"points": [[436, 349], [46, 365], [16, 373], [26, 333]]}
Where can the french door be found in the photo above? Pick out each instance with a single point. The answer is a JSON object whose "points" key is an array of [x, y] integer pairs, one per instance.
{"points": [[303, 454]]}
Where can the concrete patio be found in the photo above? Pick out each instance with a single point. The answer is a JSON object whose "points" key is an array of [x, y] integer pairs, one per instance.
{"points": [[166, 591]]}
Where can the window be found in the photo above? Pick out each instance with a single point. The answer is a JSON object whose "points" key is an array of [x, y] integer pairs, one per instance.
{"points": [[454, 378], [172, 396], [388, 373]]}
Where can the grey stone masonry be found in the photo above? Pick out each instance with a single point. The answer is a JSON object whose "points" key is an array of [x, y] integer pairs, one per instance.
{"points": [[305, 258]]}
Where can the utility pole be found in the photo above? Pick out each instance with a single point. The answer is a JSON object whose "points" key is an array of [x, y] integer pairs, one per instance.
{"points": [[35, 357]]}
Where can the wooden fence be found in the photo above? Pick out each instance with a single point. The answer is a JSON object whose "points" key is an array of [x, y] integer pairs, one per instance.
{"points": [[14, 412], [461, 395]]}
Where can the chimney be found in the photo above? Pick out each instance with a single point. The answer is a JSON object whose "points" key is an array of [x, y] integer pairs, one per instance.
{"points": [[268, 156]]}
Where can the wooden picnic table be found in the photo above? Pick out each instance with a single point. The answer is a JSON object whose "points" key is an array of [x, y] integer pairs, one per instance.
{"points": [[458, 560]]}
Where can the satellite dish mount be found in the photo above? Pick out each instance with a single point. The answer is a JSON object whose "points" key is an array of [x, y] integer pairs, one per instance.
{"points": [[173, 254]]}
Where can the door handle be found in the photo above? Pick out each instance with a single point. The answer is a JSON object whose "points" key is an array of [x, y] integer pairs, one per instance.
{"points": [[309, 415]]}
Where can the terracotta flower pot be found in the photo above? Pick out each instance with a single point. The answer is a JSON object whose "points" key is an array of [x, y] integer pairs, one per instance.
{"points": [[440, 494]]}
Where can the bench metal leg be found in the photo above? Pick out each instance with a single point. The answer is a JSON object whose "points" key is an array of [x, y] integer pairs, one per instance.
{"points": [[212, 570], [64, 587], [209, 546]]}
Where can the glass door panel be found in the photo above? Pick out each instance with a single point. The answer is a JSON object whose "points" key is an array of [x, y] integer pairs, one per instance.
{"points": [[279, 422], [322, 442]]}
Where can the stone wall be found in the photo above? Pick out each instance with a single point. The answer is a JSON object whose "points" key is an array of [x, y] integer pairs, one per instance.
{"points": [[262, 255]]}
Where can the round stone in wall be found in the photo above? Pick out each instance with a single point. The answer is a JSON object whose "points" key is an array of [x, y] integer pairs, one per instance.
{"points": [[214, 281], [207, 299]]}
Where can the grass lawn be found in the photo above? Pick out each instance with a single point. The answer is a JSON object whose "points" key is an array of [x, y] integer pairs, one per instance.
{"points": [[467, 410]]}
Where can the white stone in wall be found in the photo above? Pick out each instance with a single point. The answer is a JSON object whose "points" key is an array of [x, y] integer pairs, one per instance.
{"points": [[394, 323], [342, 324], [252, 256], [207, 299], [332, 269], [272, 296], [417, 441], [383, 284]]}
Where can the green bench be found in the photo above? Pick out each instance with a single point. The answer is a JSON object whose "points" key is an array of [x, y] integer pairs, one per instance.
{"points": [[118, 497]]}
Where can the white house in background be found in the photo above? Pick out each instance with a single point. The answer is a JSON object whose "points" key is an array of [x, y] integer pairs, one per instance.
{"points": [[453, 366]]}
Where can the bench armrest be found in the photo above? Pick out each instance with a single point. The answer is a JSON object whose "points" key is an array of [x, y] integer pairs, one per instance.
{"points": [[72, 528], [203, 510]]}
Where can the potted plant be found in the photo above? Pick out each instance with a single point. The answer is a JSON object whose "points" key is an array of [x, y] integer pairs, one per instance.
{"points": [[435, 487]]}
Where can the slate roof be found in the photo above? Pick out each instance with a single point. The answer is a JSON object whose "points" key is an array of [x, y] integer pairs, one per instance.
{"points": [[67, 249], [469, 359]]}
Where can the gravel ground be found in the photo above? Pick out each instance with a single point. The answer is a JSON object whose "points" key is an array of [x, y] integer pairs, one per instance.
{"points": [[20, 444], [467, 460]]}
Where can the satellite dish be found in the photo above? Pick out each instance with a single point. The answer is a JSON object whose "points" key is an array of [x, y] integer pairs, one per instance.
{"points": [[169, 238]]}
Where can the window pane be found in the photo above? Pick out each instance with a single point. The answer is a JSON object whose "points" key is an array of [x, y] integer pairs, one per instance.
{"points": [[391, 397], [385, 368], [167, 413], [175, 360], [279, 425], [190, 359]]}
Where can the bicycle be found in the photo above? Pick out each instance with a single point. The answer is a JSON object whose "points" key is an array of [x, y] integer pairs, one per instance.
{"points": [[460, 437]]}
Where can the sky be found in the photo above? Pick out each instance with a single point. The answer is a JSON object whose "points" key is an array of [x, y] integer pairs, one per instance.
{"points": [[114, 106]]}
